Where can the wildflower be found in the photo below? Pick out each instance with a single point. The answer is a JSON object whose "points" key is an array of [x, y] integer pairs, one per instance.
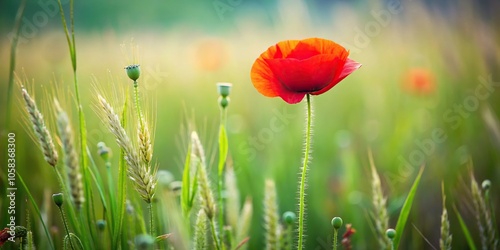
{"points": [[346, 238], [4, 236], [419, 81], [293, 68]]}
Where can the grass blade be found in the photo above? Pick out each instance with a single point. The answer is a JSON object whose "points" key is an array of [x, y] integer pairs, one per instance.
{"points": [[465, 230], [122, 180], [186, 184], [12, 67], [37, 211], [405, 211]]}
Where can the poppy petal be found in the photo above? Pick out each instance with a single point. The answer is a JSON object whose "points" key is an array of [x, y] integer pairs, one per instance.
{"points": [[349, 67], [281, 49], [309, 75], [324, 46], [264, 80]]}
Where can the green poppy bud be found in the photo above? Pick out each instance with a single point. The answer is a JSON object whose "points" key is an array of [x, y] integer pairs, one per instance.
{"points": [[224, 88], [486, 184], [58, 199], [337, 222], [133, 71], [103, 150], [391, 233], [223, 101], [289, 217], [144, 241], [101, 224]]}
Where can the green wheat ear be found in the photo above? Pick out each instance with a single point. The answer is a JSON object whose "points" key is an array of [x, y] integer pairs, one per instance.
{"points": [[41, 131], [446, 237], [271, 217], [70, 156], [379, 206], [244, 223], [200, 233], [483, 217], [206, 195]]}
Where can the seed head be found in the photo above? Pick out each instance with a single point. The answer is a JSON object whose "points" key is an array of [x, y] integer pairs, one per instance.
{"points": [[58, 199], [224, 88], [133, 71]]}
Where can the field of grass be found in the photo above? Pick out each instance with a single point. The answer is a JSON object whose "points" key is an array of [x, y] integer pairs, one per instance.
{"points": [[419, 121]]}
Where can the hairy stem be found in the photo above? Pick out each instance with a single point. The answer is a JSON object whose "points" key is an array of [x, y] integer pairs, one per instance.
{"points": [[66, 228], [304, 175], [137, 103]]}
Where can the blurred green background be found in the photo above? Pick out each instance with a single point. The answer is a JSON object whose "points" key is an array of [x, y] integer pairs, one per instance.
{"points": [[185, 47]]}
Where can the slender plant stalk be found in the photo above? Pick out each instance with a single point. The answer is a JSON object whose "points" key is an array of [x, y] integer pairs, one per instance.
{"points": [[137, 104], [222, 161], [66, 228], [151, 225], [214, 234], [12, 67], [122, 178], [335, 240], [303, 176], [81, 116], [37, 212]]}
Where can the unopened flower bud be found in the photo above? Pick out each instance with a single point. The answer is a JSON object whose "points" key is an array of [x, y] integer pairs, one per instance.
{"points": [[101, 224], [391, 233], [337, 222], [58, 199], [289, 217], [144, 241], [103, 150], [224, 88], [486, 184], [133, 71], [223, 101]]}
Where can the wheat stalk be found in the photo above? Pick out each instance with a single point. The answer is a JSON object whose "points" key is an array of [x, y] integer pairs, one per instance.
{"points": [[244, 222], [446, 237], [205, 191], [232, 197], [41, 132], [142, 175], [200, 234], [206, 195], [379, 206], [70, 156], [271, 217], [483, 217]]}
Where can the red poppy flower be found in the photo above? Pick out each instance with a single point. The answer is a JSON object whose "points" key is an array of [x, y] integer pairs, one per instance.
{"points": [[419, 81], [293, 68], [4, 236]]}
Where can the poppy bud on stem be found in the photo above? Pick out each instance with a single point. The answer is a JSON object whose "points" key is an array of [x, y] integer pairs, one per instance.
{"points": [[59, 200], [224, 89], [337, 224]]}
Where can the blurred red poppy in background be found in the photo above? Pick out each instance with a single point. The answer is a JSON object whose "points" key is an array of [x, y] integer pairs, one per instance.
{"points": [[293, 68], [419, 81]]}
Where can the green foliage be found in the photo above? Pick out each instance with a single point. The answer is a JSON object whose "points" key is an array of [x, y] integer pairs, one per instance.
{"points": [[405, 210]]}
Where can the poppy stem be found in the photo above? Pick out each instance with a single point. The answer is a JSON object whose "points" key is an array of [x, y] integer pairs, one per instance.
{"points": [[304, 174]]}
